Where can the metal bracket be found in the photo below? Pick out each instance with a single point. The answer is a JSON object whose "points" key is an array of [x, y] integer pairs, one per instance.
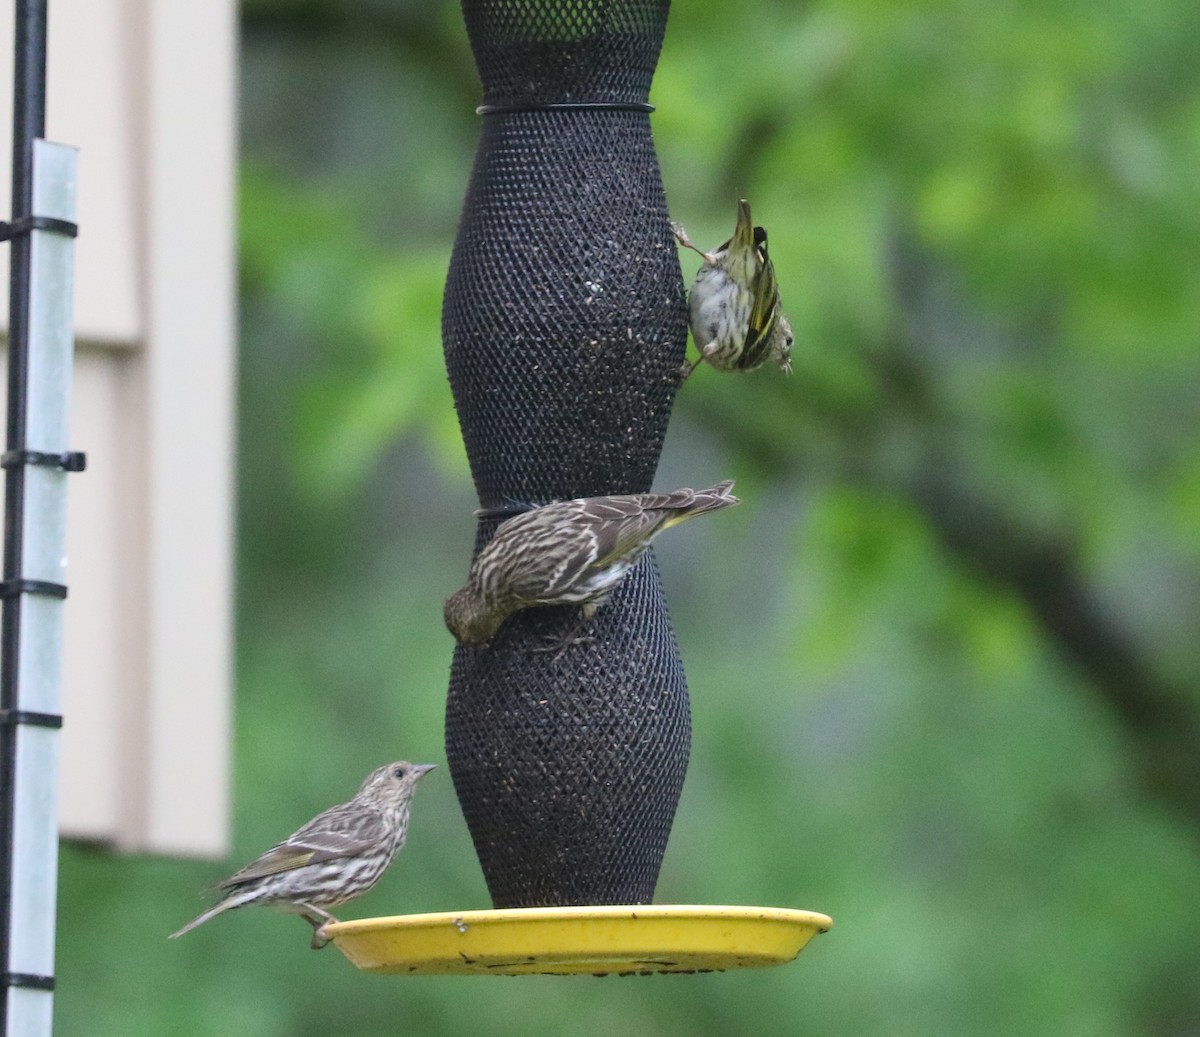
{"points": [[13, 588], [16, 717], [68, 461], [27, 980], [27, 224]]}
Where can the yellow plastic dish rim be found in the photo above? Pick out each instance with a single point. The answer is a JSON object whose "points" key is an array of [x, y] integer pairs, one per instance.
{"points": [[635, 939]]}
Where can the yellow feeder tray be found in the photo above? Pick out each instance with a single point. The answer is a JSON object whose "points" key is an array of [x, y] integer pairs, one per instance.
{"points": [[561, 941]]}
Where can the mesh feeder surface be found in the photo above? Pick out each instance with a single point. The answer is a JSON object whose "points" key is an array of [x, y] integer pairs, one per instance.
{"points": [[564, 327]]}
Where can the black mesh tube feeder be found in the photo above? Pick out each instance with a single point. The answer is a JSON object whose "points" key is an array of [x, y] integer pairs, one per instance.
{"points": [[564, 327]]}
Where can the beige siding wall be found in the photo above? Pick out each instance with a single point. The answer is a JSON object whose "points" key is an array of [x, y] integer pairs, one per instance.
{"points": [[146, 90]]}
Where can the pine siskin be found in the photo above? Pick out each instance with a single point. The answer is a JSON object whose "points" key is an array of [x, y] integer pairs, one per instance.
{"points": [[569, 552], [337, 856], [733, 307]]}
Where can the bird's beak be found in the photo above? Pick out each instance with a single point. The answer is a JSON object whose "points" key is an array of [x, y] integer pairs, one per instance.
{"points": [[424, 768], [743, 235]]}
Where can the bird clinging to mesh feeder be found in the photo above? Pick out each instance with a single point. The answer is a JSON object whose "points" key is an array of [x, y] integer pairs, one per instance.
{"points": [[733, 307], [568, 552]]}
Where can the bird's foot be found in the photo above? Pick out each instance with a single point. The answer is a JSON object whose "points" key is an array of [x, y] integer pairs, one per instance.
{"points": [[318, 919], [685, 372], [559, 645], [681, 236]]}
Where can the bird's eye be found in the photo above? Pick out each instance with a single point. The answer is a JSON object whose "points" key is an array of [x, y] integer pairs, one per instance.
{"points": [[400, 772]]}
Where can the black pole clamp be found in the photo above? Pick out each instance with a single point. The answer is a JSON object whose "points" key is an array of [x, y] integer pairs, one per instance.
{"points": [[68, 461], [27, 224], [27, 980], [15, 588], [29, 718]]}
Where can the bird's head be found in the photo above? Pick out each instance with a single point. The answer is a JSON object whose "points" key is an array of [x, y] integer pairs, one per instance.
{"points": [[468, 620], [393, 785]]}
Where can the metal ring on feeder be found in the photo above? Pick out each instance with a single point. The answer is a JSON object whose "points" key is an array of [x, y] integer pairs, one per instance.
{"points": [[565, 106]]}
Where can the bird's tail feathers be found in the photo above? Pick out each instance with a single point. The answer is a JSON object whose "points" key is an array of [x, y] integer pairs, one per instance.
{"points": [[212, 912], [688, 504], [743, 235]]}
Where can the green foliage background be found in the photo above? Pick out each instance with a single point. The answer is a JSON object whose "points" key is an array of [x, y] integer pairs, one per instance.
{"points": [[943, 661]]}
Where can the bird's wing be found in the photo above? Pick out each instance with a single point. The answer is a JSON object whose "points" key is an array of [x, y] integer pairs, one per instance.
{"points": [[569, 539], [572, 540], [765, 310], [568, 551], [620, 526], [325, 837], [625, 525]]}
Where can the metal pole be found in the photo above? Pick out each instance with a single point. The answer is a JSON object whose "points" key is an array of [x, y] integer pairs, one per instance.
{"points": [[36, 461], [29, 123]]}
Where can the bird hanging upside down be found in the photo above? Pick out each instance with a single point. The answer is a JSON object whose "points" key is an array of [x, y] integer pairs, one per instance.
{"points": [[569, 552], [733, 307]]}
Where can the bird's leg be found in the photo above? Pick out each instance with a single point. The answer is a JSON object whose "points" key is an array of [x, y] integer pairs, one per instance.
{"points": [[312, 909], [681, 236], [705, 351], [688, 368], [318, 919], [575, 638], [558, 645]]}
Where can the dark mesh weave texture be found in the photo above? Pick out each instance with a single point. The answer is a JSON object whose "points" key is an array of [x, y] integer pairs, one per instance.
{"points": [[564, 328], [572, 50], [569, 770]]}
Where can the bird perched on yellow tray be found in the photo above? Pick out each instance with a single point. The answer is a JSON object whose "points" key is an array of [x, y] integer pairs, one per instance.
{"points": [[337, 856], [568, 552], [733, 307]]}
